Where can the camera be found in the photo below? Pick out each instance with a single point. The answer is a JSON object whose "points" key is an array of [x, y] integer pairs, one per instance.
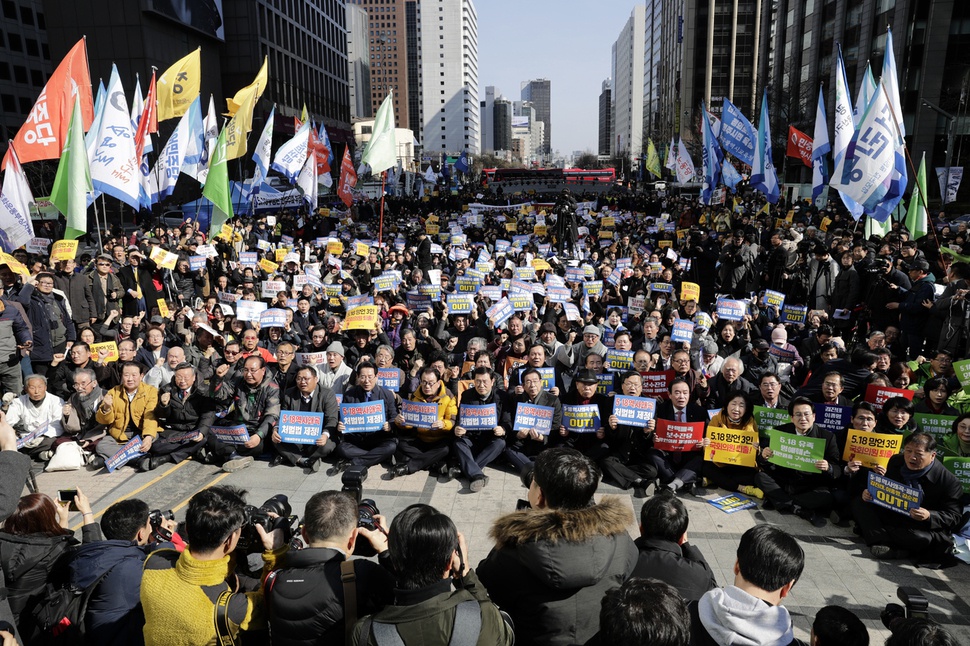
{"points": [[367, 512], [156, 517], [353, 481], [279, 504], [914, 605]]}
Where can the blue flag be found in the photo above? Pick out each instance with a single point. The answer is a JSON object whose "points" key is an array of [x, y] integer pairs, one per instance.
{"points": [[461, 165], [820, 147], [711, 156], [899, 177], [737, 134], [730, 175], [763, 175]]}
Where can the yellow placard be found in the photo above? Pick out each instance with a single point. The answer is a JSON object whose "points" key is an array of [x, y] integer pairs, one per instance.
{"points": [[703, 219], [511, 227], [15, 265], [663, 244], [64, 250], [690, 292], [268, 266], [539, 230], [164, 259], [163, 309], [361, 249], [110, 355], [608, 222], [871, 449], [361, 318], [541, 265], [791, 216], [729, 446], [280, 254], [335, 247], [432, 229], [605, 234], [825, 224], [779, 223], [682, 233], [225, 233], [432, 218]]}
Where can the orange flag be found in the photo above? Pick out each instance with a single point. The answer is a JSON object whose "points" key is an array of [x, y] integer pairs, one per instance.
{"points": [[318, 148], [43, 134], [348, 178], [149, 119]]}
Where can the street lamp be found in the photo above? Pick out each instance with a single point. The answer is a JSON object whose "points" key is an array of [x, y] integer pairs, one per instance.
{"points": [[950, 131]]}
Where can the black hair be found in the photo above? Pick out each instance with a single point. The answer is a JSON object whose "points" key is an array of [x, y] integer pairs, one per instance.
{"points": [[664, 517], [644, 611], [838, 626], [122, 520], [330, 515], [769, 374], [675, 381], [926, 439], [482, 370], [899, 402], [213, 515], [421, 542], [935, 382], [127, 364], [769, 557], [628, 374], [916, 631], [568, 478], [258, 358], [864, 406], [367, 364], [528, 371], [825, 329], [800, 401], [310, 369]]}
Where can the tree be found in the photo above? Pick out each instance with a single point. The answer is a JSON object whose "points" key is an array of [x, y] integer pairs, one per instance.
{"points": [[587, 161]]}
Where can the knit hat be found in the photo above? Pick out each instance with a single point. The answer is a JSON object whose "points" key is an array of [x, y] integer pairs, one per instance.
{"points": [[779, 335], [336, 348], [592, 329]]}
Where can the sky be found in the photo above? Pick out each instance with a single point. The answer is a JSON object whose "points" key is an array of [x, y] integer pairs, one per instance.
{"points": [[568, 42]]}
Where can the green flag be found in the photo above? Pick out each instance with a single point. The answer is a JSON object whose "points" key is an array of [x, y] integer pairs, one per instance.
{"points": [[880, 229], [72, 183], [381, 151], [216, 187], [916, 220], [653, 159]]}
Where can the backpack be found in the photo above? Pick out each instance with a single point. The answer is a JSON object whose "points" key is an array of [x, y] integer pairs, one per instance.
{"points": [[59, 616]]}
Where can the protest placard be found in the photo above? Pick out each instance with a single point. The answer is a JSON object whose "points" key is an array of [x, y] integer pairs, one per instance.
{"points": [[960, 467], [480, 417], [877, 395], [678, 436], [272, 318], [111, 351], [833, 418], [689, 292], [893, 495], [655, 383], [270, 288], [731, 446], [581, 418], [419, 414], [733, 502], [962, 370], [796, 452], [268, 266], [460, 304], [683, 331], [29, 438], [500, 312], [530, 417], [386, 282], [162, 258], [163, 310], [296, 427], [358, 301], [634, 411], [361, 318], [131, 450], [939, 426], [871, 449], [231, 434], [207, 251], [731, 310], [619, 360], [248, 259], [794, 314], [39, 245], [196, 262], [389, 378], [310, 358], [363, 417], [250, 310], [572, 312], [66, 250], [773, 299]]}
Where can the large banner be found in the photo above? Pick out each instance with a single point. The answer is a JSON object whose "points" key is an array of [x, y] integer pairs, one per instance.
{"points": [[678, 436], [300, 428]]}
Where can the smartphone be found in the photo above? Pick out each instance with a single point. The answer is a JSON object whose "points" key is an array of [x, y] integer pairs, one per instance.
{"points": [[67, 495]]}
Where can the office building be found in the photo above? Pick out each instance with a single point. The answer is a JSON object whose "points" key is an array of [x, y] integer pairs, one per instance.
{"points": [[502, 124], [488, 118], [358, 62], [25, 63], [627, 64], [539, 93], [389, 54], [606, 118]]}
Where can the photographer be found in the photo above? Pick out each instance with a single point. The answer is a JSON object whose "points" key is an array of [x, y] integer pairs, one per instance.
{"points": [[114, 614], [429, 557], [223, 602], [306, 599]]}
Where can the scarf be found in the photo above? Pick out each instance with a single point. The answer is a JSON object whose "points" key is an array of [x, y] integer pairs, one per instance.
{"points": [[90, 401], [911, 478]]}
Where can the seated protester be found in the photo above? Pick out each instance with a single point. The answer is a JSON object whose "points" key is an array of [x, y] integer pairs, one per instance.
{"points": [[62, 372], [420, 448], [525, 444], [537, 358], [769, 392], [36, 544], [111, 371], [926, 533], [78, 416], [114, 615], [831, 393], [163, 371], [203, 572], [936, 392], [38, 410], [699, 388], [308, 396], [855, 372], [570, 358], [729, 380], [589, 441], [628, 463], [128, 410], [284, 370], [644, 611], [838, 626], [896, 416], [305, 596], [737, 415], [428, 557], [957, 442], [679, 469], [254, 401], [759, 361], [367, 449], [665, 553], [186, 415], [809, 495], [477, 448], [855, 477], [553, 562], [769, 562], [153, 349], [449, 374], [251, 346]]}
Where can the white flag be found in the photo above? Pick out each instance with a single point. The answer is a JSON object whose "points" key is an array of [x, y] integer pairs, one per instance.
{"points": [[196, 140], [170, 160], [263, 153], [16, 229], [671, 163], [844, 128], [429, 175], [114, 166], [292, 155], [685, 165], [307, 181], [198, 155]]}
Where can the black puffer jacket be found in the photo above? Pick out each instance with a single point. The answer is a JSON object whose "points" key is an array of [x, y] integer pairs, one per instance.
{"points": [[550, 568], [306, 597]]}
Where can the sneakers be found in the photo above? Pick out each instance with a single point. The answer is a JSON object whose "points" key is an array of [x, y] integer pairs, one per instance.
{"points": [[887, 553], [754, 492], [397, 471], [236, 462]]}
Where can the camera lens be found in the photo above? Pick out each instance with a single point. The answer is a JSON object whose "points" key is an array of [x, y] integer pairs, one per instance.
{"points": [[278, 504]]}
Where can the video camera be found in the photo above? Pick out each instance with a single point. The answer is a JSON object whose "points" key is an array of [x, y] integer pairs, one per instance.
{"points": [[279, 504], [914, 605]]}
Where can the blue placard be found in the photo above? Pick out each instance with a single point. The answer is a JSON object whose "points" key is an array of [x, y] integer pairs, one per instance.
{"points": [[634, 411], [196, 262], [530, 417], [583, 418], [231, 434], [773, 299], [893, 495], [363, 417], [683, 331], [419, 414], [618, 360], [300, 428], [272, 318], [418, 302], [833, 418], [558, 294], [794, 314], [130, 451], [575, 275], [248, 259], [491, 292], [662, 288], [386, 282], [389, 378], [548, 376], [500, 312], [481, 417], [433, 291], [460, 304], [731, 310], [358, 301]]}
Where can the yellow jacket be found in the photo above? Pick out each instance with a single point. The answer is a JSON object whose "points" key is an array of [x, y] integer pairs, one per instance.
{"points": [[140, 410], [447, 411]]}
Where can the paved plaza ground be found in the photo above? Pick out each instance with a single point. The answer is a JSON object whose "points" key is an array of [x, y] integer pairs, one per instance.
{"points": [[838, 570]]}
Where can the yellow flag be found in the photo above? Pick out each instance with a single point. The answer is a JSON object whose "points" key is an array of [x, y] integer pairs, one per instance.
{"points": [[178, 86], [240, 125], [304, 116], [262, 78]]}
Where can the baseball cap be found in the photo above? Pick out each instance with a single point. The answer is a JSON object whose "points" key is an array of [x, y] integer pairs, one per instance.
{"points": [[918, 263], [760, 344]]}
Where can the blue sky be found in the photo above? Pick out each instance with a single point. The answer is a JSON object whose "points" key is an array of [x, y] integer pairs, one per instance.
{"points": [[566, 41]]}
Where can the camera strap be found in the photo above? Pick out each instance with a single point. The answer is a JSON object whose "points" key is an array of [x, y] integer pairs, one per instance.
{"points": [[349, 579], [224, 636]]}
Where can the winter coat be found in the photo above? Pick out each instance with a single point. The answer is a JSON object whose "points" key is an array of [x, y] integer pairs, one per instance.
{"points": [[41, 323], [258, 407], [447, 411], [14, 466], [140, 411], [550, 568], [730, 615], [682, 566], [194, 413]]}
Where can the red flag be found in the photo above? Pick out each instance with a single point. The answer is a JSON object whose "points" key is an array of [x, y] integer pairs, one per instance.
{"points": [[149, 119], [319, 149], [799, 146], [43, 134], [348, 178]]}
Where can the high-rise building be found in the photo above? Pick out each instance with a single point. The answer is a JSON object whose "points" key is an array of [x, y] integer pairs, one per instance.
{"points": [[450, 119], [539, 93], [502, 124], [606, 118], [488, 118], [627, 63], [358, 61], [25, 63], [389, 55], [653, 70]]}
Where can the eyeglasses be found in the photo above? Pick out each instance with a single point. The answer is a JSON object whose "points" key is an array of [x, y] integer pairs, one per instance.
{"points": [[232, 352], [251, 371], [429, 383], [104, 264], [802, 415], [301, 379], [84, 385]]}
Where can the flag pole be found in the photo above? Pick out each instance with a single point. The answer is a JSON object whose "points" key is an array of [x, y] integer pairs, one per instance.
{"points": [[380, 228]]}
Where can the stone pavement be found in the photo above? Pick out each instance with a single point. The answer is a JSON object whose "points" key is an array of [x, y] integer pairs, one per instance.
{"points": [[838, 570]]}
